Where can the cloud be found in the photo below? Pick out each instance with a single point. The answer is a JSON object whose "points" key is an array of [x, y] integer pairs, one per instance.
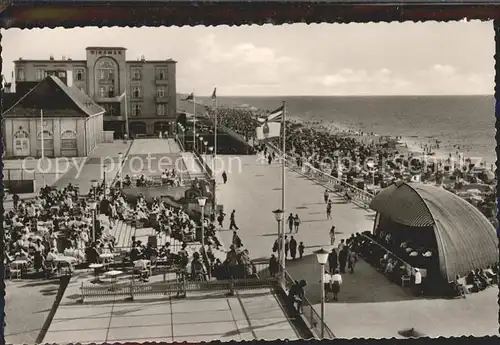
{"points": [[445, 70], [243, 67], [362, 81]]}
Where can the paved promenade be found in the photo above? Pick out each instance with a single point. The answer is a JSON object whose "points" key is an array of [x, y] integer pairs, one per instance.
{"points": [[369, 305], [205, 316], [92, 168]]}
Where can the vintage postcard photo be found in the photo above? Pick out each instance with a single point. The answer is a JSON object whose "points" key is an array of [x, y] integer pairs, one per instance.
{"points": [[245, 183]]}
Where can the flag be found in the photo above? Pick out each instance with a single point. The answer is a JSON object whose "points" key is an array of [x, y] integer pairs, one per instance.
{"points": [[214, 94], [275, 116], [190, 97], [268, 130]]}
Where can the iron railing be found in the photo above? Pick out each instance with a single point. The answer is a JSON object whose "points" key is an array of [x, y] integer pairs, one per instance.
{"points": [[310, 316], [334, 184]]}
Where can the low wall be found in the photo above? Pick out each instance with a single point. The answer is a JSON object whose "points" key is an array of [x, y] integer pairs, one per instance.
{"points": [[176, 193]]}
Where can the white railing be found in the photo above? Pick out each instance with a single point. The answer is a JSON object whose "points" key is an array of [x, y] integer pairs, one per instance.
{"points": [[334, 184]]}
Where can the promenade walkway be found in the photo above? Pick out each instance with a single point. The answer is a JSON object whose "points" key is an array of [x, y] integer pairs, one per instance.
{"points": [[369, 306], [92, 167], [202, 316], [192, 165], [152, 156]]}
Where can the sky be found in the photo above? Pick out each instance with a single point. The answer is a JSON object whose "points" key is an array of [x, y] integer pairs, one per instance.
{"points": [[296, 59]]}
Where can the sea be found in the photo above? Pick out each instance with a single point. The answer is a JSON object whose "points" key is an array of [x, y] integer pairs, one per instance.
{"points": [[461, 123]]}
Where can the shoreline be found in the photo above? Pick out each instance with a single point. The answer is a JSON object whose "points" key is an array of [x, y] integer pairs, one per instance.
{"points": [[405, 144]]}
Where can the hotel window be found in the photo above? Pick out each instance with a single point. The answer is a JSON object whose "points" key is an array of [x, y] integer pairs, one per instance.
{"points": [[106, 71], [68, 140], [40, 74], [136, 91], [111, 111], [160, 109], [136, 109], [136, 74], [161, 74], [111, 92], [20, 74], [102, 92], [79, 74], [61, 74], [160, 92]]}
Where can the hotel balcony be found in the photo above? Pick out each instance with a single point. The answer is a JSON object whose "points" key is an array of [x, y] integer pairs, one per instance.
{"points": [[161, 82]]}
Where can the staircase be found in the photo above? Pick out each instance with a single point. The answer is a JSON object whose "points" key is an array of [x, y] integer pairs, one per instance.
{"points": [[123, 232]]}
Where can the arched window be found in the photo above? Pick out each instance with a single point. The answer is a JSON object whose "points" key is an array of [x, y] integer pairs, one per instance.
{"points": [[68, 140], [102, 91], [106, 70], [21, 135], [21, 143]]}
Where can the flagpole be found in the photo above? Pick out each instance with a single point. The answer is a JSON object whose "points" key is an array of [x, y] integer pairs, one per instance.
{"points": [[214, 164], [41, 132], [126, 117], [194, 121], [215, 133], [283, 163]]}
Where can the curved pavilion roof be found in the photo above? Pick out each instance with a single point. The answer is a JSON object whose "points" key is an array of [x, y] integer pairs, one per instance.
{"points": [[465, 238]]}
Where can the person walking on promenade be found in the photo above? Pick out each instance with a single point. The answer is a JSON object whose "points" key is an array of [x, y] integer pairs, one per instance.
{"points": [[276, 245], [296, 295], [329, 210], [301, 250], [233, 225], [290, 222], [341, 245], [332, 235], [336, 282], [333, 262], [224, 177], [296, 223], [220, 218], [237, 240], [273, 266], [343, 259], [352, 257], [269, 159], [326, 195], [293, 248], [287, 246]]}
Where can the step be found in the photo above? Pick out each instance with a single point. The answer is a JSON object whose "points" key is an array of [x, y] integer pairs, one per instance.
{"points": [[119, 234]]}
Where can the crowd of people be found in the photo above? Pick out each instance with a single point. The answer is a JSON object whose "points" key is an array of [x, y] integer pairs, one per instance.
{"points": [[346, 154], [49, 232], [416, 268]]}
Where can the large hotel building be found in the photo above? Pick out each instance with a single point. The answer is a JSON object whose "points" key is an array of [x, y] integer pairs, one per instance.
{"points": [[105, 75]]}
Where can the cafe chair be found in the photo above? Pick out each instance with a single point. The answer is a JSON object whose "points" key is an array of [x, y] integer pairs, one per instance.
{"points": [[15, 271], [405, 280]]}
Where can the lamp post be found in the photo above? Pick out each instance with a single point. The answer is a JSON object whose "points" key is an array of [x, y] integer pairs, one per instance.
{"points": [[201, 145], [93, 185], [278, 215], [104, 178], [322, 256], [201, 202], [93, 210], [120, 169], [205, 146], [195, 138]]}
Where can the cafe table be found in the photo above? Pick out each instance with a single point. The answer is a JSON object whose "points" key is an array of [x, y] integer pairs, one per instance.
{"points": [[96, 268]]}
